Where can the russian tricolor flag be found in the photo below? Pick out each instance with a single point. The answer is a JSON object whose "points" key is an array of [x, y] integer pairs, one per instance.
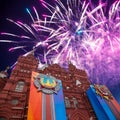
{"points": [[45, 106]]}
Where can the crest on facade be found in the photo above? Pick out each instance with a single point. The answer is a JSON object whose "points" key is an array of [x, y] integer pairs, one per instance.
{"points": [[103, 91], [47, 84]]}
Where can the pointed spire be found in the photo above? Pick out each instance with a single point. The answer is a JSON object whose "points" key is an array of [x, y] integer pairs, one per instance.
{"points": [[4, 74], [78, 82], [7, 68]]}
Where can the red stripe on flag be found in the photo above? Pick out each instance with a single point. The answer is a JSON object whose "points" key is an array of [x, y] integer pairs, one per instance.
{"points": [[48, 108], [115, 103], [35, 102]]}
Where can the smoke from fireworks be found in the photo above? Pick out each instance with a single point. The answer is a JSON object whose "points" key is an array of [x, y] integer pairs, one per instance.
{"points": [[87, 36]]}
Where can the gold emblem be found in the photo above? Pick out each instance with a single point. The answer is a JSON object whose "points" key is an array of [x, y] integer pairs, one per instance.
{"points": [[103, 91], [47, 84]]}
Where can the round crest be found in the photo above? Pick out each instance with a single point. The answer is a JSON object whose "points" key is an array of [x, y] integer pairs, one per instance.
{"points": [[48, 83]]}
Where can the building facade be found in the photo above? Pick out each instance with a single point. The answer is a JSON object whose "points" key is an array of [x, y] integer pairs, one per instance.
{"points": [[14, 95]]}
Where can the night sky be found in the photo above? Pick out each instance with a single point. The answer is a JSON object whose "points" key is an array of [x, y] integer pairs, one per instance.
{"points": [[16, 10]]}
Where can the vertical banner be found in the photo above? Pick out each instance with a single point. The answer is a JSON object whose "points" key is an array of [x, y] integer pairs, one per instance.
{"points": [[35, 102], [98, 102], [46, 100], [103, 91], [60, 111]]}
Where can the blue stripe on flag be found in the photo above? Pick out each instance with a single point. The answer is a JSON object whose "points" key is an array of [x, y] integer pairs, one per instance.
{"points": [[60, 105]]}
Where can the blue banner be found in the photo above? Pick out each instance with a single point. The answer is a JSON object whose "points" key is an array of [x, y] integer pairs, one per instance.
{"points": [[60, 111], [102, 110]]}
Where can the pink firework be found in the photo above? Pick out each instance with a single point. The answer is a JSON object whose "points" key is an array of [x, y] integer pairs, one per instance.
{"points": [[78, 32]]}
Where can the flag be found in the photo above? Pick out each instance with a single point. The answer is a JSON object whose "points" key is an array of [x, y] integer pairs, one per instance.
{"points": [[98, 96], [46, 100]]}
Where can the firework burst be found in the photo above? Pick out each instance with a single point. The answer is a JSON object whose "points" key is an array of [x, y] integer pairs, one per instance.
{"points": [[87, 36], [104, 47]]}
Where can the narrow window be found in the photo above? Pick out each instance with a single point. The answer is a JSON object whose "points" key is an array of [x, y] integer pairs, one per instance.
{"points": [[67, 102], [75, 102], [19, 86]]}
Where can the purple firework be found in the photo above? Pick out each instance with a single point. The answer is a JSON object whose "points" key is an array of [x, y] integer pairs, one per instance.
{"points": [[76, 32], [104, 47]]}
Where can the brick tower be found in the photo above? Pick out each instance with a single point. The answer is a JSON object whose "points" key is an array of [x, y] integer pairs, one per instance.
{"points": [[75, 83], [14, 96]]}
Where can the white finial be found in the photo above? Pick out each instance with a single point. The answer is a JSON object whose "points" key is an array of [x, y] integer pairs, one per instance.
{"points": [[78, 82]]}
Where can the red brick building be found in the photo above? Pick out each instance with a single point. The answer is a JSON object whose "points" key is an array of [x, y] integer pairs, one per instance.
{"points": [[14, 95]]}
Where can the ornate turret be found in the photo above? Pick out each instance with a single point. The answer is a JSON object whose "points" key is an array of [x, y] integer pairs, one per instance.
{"points": [[15, 94], [3, 78]]}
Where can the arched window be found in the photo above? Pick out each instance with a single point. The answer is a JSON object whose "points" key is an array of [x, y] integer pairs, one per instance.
{"points": [[67, 102], [14, 101], [3, 118], [75, 102], [19, 86]]}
